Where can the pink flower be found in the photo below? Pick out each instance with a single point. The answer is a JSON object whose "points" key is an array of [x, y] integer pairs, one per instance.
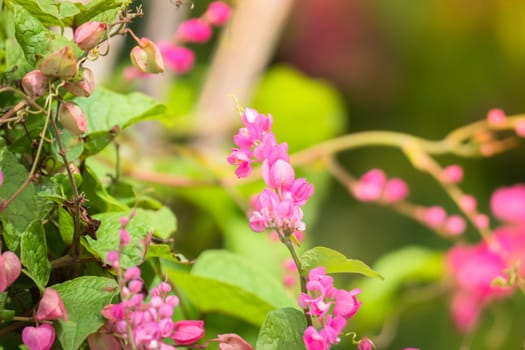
{"points": [[72, 118], [508, 203], [455, 225], [435, 216], [88, 35], [520, 127], [232, 341], [194, 30], [147, 57], [218, 13], [395, 190], [39, 338], [468, 203], [243, 161], [365, 344], [179, 59], [51, 306], [187, 332], [300, 190], [496, 117], [452, 174], [346, 303], [370, 185], [35, 83], [465, 309], [10, 268], [313, 340], [277, 175]]}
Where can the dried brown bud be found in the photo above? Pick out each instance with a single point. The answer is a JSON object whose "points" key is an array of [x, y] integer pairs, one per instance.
{"points": [[61, 63]]}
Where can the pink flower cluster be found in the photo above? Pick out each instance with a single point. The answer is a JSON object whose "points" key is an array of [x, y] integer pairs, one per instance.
{"points": [[179, 58], [332, 307], [375, 186], [475, 268], [148, 323], [279, 206], [51, 307]]}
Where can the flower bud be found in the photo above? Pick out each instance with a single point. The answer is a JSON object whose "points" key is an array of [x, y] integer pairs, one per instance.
{"points": [[147, 57], [72, 118], [88, 35], [232, 341], [51, 306], [218, 13], [39, 338], [61, 63], [187, 332], [10, 268], [194, 30], [35, 83], [83, 86]]}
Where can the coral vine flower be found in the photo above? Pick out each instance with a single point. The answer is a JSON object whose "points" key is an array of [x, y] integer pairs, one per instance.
{"points": [[10, 268], [51, 306], [39, 338]]}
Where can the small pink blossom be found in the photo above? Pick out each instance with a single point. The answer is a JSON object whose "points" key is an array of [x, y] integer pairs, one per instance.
{"points": [[496, 117], [218, 13], [519, 128], [370, 185], [365, 344], [481, 221], [395, 190], [452, 174], [435, 216], [346, 303], [277, 175], [187, 332], [468, 203], [232, 341], [178, 58], [313, 340], [455, 225], [10, 269], [508, 203], [39, 338], [51, 306], [194, 30]]}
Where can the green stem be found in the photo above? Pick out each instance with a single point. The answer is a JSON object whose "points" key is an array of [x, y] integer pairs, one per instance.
{"points": [[286, 241], [76, 196]]}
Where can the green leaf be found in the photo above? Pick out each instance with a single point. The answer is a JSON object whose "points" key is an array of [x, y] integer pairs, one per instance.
{"points": [[23, 210], [307, 110], [105, 11], [234, 269], [84, 297], [99, 200], [33, 254], [139, 227], [106, 109], [165, 222], [334, 262], [48, 12], [282, 329], [97, 141], [65, 225], [209, 295]]}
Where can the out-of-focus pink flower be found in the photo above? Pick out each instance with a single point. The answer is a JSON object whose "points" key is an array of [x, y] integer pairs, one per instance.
{"points": [[39, 338], [468, 203], [496, 117], [132, 73], [194, 30], [455, 225], [435, 216], [51, 306], [452, 174], [89, 34], [187, 332], [508, 204], [465, 309], [218, 13], [365, 344], [231, 341], [370, 185], [1, 177], [346, 303], [178, 58], [519, 128], [10, 268], [395, 190], [313, 340]]}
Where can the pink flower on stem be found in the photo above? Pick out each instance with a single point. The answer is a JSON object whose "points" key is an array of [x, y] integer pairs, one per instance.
{"points": [[496, 117], [508, 204], [39, 338], [10, 269], [468, 203], [452, 174], [455, 225], [365, 344], [89, 34], [218, 13], [346, 303], [51, 306], [187, 332], [370, 185], [194, 30], [179, 59], [519, 128], [395, 190], [435, 216]]}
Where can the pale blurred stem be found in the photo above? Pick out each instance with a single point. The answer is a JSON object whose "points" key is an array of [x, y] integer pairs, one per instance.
{"points": [[288, 243], [74, 188]]}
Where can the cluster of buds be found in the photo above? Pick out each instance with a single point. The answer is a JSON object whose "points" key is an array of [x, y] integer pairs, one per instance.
{"points": [[279, 206], [486, 271], [332, 308], [150, 58], [147, 322], [51, 307], [375, 186]]}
